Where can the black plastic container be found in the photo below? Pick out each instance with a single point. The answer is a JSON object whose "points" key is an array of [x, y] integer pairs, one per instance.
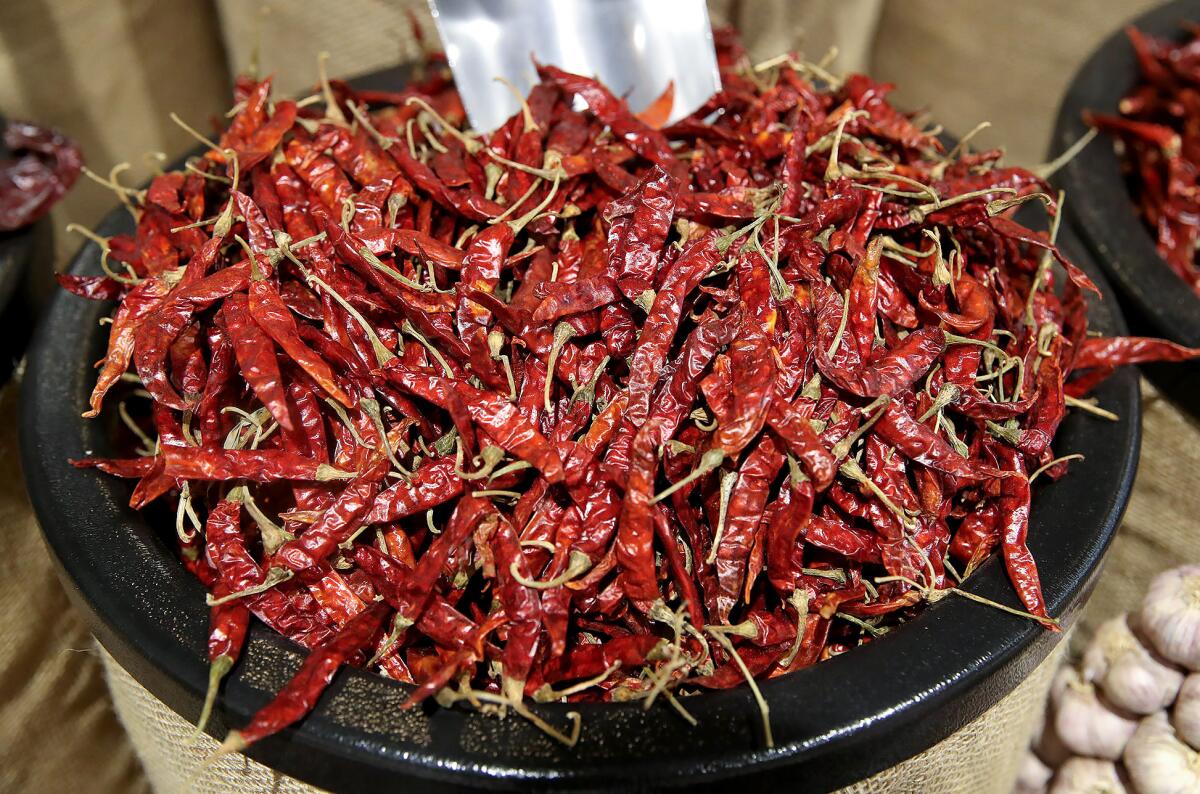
{"points": [[834, 723], [1101, 211]]}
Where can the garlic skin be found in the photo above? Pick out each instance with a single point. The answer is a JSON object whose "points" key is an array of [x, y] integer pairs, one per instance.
{"points": [[1087, 776], [1186, 714], [1033, 776], [1158, 763], [1087, 726], [1128, 674], [1170, 615]]}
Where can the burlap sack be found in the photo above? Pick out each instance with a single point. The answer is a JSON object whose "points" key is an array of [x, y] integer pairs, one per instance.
{"points": [[981, 758], [108, 73]]}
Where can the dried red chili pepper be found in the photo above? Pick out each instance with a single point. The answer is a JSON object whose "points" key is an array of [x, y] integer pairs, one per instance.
{"points": [[37, 167], [1158, 127], [300, 694]]}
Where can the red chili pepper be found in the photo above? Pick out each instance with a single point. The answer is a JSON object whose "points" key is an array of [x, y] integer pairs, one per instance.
{"points": [[336, 525], [299, 696], [1115, 352], [433, 484], [41, 165], [256, 358], [257, 465], [1014, 510], [746, 505]]}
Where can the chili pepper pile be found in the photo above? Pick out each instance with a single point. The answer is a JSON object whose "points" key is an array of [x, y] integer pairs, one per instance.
{"points": [[589, 408], [1159, 129], [37, 167]]}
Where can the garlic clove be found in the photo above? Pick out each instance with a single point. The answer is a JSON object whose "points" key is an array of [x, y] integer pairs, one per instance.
{"points": [[1088, 776], [1128, 674], [1033, 776], [1048, 744], [1185, 716], [1158, 763], [1087, 725], [1170, 615]]}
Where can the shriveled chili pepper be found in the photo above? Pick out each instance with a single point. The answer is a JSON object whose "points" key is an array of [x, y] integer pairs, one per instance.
{"points": [[37, 167], [300, 694]]}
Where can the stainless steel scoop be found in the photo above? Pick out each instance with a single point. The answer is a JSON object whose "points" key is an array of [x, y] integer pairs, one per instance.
{"points": [[635, 47]]}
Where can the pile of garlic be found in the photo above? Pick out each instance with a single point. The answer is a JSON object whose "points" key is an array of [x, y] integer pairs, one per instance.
{"points": [[1126, 717]]}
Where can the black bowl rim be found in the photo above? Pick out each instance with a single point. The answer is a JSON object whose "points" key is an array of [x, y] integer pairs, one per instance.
{"points": [[17, 250], [149, 614], [1098, 203]]}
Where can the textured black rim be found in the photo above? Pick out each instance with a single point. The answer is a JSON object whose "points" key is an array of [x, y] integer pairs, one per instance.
{"points": [[834, 723], [1098, 201]]}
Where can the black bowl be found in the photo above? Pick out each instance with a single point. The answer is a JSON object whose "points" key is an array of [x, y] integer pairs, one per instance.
{"points": [[1100, 209], [26, 264], [26, 281], [834, 723]]}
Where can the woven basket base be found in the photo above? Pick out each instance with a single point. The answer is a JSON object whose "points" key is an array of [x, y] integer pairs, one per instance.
{"points": [[981, 758]]}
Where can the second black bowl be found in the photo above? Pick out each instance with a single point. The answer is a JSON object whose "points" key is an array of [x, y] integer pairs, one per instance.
{"points": [[1100, 209]]}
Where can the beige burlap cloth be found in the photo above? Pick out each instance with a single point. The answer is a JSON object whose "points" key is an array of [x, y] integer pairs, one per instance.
{"points": [[981, 758], [108, 73]]}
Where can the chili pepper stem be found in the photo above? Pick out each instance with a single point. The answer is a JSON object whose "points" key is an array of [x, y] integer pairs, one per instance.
{"points": [[332, 111], [798, 599], [874, 631], [947, 395], [728, 482], [216, 671], [105, 251], [541, 173], [562, 334], [1090, 407], [470, 144], [487, 460], [763, 708], [528, 217], [274, 577], [378, 264], [1047, 170], [408, 328], [709, 461], [533, 186], [933, 595], [1039, 277], [547, 693], [1063, 459], [841, 329], [579, 564], [842, 448]]}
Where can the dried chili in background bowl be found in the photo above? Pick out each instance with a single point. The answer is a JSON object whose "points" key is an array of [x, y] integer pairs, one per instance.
{"points": [[495, 571], [1105, 207], [37, 168]]}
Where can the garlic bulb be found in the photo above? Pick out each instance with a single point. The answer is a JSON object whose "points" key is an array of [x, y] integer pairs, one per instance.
{"points": [[1087, 726], [1033, 775], [1170, 616], [1087, 776], [1158, 763], [1186, 714], [1128, 674]]}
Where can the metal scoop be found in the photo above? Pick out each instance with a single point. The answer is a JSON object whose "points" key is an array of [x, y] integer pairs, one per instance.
{"points": [[635, 47]]}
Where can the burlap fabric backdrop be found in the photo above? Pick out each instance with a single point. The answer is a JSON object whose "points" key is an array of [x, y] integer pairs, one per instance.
{"points": [[109, 73]]}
